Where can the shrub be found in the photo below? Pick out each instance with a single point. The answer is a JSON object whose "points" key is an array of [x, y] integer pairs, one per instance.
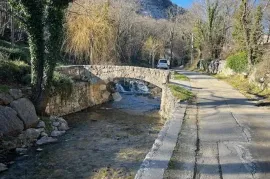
{"points": [[26, 80], [13, 71], [61, 85], [238, 62], [263, 69], [4, 88], [16, 54]]}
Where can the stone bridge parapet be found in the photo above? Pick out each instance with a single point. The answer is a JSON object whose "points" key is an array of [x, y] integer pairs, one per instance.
{"points": [[94, 73]]}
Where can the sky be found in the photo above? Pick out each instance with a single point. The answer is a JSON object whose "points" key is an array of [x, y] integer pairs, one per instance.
{"points": [[183, 3]]}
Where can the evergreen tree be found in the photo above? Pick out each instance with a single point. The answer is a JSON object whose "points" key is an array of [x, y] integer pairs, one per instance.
{"points": [[43, 21]]}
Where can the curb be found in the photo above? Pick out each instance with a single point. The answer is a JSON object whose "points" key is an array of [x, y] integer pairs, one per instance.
{"points": [[157, 160]]}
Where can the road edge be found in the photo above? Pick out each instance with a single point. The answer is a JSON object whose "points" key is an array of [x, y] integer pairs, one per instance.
{"points": [[157, 160]]}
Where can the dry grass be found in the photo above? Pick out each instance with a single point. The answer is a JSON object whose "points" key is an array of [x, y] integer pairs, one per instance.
{"points": [[110, 173], [131, 154]]}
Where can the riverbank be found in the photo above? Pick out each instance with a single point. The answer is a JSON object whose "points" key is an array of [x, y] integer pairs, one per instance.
{"points": [[109, 140]]}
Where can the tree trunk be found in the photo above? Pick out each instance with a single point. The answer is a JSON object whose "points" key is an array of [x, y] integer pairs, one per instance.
{"points": [[35, 30], [250, 58], [268, 35], [12, 28], [153, 60], [37, 63], [247, 34]]}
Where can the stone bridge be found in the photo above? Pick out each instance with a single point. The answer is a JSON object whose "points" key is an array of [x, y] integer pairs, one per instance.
{"points": [[91, 85], [94, 73]]}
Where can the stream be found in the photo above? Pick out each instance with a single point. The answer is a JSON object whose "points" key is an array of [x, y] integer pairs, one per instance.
{"points": [[110, 141]]}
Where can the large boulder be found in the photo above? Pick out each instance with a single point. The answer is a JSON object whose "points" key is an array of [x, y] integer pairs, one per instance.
{"points": [[10, 124], [26, 111]]}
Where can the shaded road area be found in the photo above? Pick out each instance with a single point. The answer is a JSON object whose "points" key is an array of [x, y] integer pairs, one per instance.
{"points": [[223, 136]]}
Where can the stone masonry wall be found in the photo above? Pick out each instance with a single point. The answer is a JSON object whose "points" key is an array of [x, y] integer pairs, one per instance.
{"points": [[83, 95], [168, 103]]}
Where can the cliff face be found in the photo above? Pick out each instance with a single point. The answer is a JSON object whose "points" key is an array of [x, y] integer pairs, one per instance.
{"points": [[158, 8]]}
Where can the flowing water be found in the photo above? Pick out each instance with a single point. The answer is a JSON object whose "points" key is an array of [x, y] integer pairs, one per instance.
{"points": [[109, 140]]}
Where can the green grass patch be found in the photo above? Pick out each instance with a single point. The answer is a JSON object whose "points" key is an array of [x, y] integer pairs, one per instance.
{"points": [[4, 88], [48, 124], [181, 77], [181, 93], [16, 52], [14, 71]]}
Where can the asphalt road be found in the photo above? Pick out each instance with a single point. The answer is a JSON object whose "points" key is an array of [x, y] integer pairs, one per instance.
{"points": [[232, 139]]}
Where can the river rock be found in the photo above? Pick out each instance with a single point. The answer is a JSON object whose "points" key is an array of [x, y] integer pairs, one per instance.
{"points": [[103, 87], [62, 120], [116, 96], [106, 95], [3, 167], [54, 118], [16, 93], [42, 134], [10, 124], [5, 99], [56, 124], [26, 111], [39, 149], [46, 140], [63, 127], [33, 134], [57, 133], [41, 124], [21, 150]]}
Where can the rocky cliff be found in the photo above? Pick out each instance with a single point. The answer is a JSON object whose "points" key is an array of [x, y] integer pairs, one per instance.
{"points": [[158, 9]]}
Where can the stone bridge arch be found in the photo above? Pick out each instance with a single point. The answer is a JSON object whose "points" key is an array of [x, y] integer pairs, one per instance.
{"points": [[90, 86]]}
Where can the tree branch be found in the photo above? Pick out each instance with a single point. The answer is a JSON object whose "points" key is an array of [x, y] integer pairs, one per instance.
{"points": [[17, 16]]}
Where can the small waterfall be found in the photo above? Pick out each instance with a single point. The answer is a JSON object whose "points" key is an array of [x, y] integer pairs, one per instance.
{"points": [[142, 87], [120, 88], [132, 87], [138, 87]]}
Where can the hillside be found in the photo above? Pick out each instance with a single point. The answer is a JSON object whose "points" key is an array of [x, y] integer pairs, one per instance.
{"points": [[158, 8]]}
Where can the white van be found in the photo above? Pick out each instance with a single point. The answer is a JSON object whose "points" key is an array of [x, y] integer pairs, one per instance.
{"points": [[163, 64]]}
